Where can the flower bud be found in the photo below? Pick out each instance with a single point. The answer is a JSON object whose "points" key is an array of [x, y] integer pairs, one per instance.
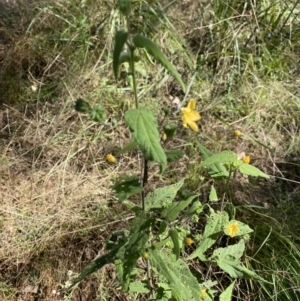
{"points": [[169, 130], [110, 159], [82, 106], [238, 133], [124, 7], [188, 241]]}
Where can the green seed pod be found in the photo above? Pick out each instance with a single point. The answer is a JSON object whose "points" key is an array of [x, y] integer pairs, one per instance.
{"points": [[98, 114], [170, 130], [124, 7], [82, 106]]}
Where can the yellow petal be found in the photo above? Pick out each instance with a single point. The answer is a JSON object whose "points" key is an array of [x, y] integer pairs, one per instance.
{"points": [[192, 104], [185, 123], [246, 159], [193, 116], [232, 229], [185, 110], [184, 119], [193, 125], [203, 293]]}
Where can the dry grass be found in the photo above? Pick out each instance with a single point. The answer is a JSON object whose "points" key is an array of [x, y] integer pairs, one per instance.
{"points": [[55, 196]]}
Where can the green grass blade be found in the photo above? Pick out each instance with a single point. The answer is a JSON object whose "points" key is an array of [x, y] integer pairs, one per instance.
{"points": [[140, 41], [175, 238], [120, 40], [96, 265]]}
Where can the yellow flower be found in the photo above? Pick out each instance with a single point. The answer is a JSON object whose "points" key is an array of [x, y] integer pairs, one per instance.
{"points": [[246, 159], [164, 136], [203, 293], [110, 159], [145, 256], [232, 229], [190, 115], [188, 241], [238, 133]]}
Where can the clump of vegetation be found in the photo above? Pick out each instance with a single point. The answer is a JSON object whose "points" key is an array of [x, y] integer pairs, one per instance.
{"points": [[178, 180]]}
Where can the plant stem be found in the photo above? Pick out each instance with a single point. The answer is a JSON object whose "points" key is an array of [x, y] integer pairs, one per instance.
{"points": [[150, 283], [132, 67], [144, 182], [226, 188], [145, 162]]}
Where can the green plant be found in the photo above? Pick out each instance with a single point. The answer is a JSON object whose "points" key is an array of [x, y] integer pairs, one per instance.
{"points": [[6, 291], [161, 231], [241, 37]]}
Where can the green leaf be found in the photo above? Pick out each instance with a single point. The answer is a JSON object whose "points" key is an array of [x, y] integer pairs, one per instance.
{"points": [[173, 155], [222, 157], [120, 40], [162, 228], [206, 291], [96, 265], [217, 171], [126, 187], [162, 243], [227, 294], [228, 259], [182, 234], [245, 273], [138, 287], [184, 285], [196, 208], [163, 292], [131, 145], [140, 41], [175, 238], [138, 237], [213, 229], [163, 196], [125, 57], [173, 210], [213, 197], [250, 170], [82, 106], [143, 127], [124, 7], [119, 268], [204, 151]]}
